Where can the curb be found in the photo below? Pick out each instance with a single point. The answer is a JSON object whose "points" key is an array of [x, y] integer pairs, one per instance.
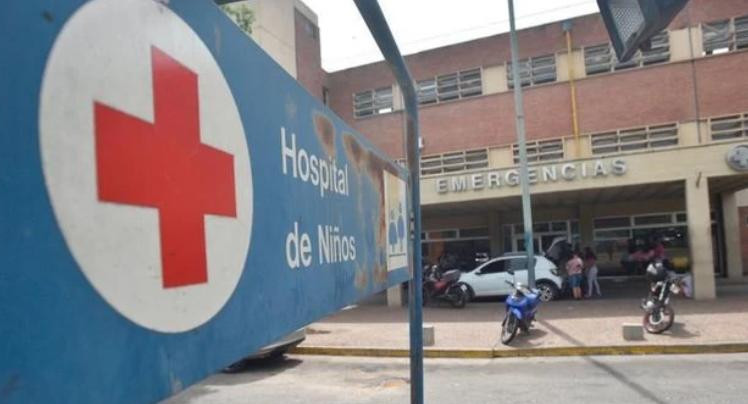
{"points": [[529, 352]]}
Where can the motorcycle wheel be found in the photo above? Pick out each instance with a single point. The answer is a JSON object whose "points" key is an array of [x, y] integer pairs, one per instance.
{"points": [[458, 298], [657, 323], [509, 328]]}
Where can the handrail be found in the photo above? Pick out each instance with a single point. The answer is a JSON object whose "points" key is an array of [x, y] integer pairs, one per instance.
{"points": [[380, 30]]}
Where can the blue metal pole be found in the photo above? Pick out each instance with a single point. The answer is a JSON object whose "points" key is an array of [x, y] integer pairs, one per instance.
{"points": [[523, 172], [374, 18]]}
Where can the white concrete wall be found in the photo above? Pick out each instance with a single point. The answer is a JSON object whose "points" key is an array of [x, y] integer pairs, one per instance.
{"points": [[275, 31]]}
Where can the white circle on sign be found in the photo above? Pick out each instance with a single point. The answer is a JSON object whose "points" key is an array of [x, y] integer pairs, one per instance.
{"points": [[128, 203]]}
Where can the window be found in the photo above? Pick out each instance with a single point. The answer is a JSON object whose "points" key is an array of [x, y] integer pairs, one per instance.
{"points": [[372, 102], [612, 222], [518, 264], [427, 91], [542, 150], [729, 127], [725, 36], [494, 267], [311, 29], [476, 233], [442, 235], [454, 161], [602, 58], [533, 71], [466, 83], [668, 227], [649, 137]]}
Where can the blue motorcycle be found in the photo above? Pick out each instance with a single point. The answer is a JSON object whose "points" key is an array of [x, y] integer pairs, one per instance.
{"points": [[521, 307]]}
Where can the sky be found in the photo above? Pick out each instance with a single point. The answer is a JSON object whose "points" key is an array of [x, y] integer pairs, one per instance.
{"points": [[426, 24]]}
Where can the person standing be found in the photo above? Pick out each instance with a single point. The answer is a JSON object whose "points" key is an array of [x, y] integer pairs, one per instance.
{"points": [[590, 263], [574, 268]]}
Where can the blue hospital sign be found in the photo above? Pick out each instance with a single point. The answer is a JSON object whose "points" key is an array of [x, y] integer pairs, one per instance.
{"points": [[171, 201]]}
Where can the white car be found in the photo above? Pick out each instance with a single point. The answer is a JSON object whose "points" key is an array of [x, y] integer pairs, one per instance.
{"points": [[489, 278]]}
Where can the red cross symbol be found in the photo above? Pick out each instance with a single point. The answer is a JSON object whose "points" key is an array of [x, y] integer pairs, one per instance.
{"points": [[165, 166]]}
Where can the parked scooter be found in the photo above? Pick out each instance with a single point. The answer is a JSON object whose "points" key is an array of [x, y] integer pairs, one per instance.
{"points": [[444, 286], [659, 316], [521, 307]]}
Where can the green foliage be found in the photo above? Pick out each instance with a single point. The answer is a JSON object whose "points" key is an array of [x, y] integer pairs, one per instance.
{"points": [[241, 14]]}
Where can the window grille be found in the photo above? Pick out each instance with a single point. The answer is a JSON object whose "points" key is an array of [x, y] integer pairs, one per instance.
{"points": [[725, 35], [649, 137], [541, 150], [602, 58], [729, 127], [372, 102], [454, 161], [533, 71], [452, 86]]}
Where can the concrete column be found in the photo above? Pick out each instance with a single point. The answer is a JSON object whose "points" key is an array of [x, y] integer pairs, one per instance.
{"points": [[700, 237], [586, 225], [731, 227], [494, 79], [395, 296], [397, 98]]}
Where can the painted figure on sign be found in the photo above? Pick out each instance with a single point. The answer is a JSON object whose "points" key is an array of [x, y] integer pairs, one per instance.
{"points": [[401, 228], [393, 240]]}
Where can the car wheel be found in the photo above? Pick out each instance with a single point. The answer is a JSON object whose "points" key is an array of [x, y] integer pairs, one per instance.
{"points": [[547, 291], [468, 290]]}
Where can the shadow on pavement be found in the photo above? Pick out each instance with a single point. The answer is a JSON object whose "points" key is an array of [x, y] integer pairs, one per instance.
{"points": [[257, 369], [679, 330], [636, 387], [530, 340], [620, 299]]}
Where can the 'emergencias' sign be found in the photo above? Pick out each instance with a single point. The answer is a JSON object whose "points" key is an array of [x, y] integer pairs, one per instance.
{"points": [[539, 174]]}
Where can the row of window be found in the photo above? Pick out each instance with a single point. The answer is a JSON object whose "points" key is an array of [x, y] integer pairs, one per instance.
{"points": [[602, 59], [726, 35], [533, 71], [648, 137], [372, 102], [614, 235], [446, 87], [613, 142], [541, 150], [729, 127], [718, 37], [454, 161], [474, 233]]}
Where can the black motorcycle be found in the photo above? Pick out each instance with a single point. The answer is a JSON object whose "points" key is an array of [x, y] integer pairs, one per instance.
{"points": [[659, 316], [444, 286]]}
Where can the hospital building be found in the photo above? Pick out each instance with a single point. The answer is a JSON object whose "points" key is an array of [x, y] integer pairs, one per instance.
{"points": [[620, 154]]}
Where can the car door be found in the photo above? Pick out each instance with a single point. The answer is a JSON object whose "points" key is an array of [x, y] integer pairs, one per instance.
{"points": [[519, 266], [492, 275]]}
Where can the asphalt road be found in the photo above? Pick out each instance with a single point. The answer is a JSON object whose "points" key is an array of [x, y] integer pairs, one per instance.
{"points": [[631, 379]]}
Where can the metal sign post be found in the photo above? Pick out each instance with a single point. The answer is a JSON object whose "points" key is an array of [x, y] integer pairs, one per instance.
{"points": [[523, 171], [152, 163], [372, 14]]}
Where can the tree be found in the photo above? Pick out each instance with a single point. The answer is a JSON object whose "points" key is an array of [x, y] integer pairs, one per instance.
{"points": [[241, 14]]}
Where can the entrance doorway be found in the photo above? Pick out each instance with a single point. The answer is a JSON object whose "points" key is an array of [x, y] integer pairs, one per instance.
{"points": [[543, 234]]}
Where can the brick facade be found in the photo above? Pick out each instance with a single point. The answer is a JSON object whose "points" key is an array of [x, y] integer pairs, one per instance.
{"points": [[650, 95]]}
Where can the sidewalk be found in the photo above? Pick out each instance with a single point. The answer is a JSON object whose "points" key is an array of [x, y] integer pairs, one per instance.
{"points": [[574, 327]]}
